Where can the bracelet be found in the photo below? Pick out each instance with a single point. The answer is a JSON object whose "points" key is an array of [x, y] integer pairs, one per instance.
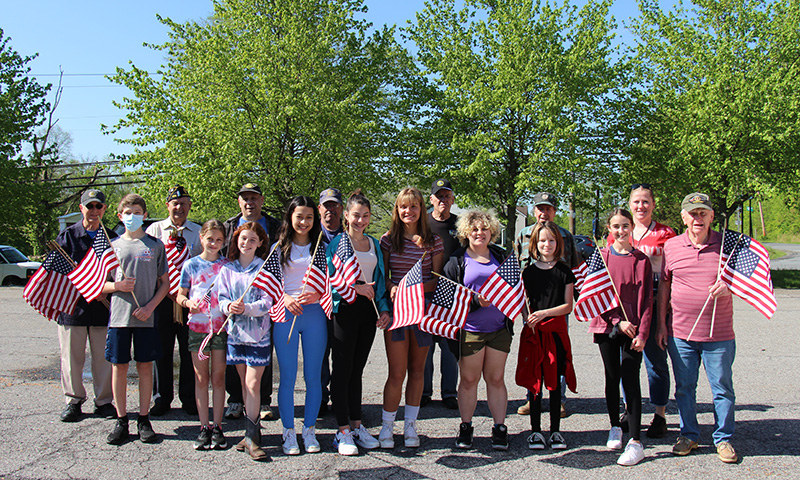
{"points": [[183, 303]]}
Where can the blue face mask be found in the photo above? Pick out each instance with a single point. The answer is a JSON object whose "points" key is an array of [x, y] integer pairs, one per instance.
{"points": [[132, 222]]}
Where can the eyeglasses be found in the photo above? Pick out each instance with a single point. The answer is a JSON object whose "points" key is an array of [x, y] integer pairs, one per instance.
{"points": [[94, 205], [646, 186]]}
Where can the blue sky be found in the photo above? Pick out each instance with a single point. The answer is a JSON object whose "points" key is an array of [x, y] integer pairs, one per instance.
{"points": [[88, 38]]}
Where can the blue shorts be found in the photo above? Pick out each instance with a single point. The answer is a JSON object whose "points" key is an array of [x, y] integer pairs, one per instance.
{"points": [[146, 344], [249, 355]]}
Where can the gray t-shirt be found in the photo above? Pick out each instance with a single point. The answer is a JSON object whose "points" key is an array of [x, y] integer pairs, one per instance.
{"points": [[145, 260]]}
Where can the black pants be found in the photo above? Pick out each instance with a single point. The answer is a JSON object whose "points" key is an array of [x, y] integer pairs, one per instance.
{"points": [[622, 362], [168, 331], [353, 334], [555, 395], [233, 384]]}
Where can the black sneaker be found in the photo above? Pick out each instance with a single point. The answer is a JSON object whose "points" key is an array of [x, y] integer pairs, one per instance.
{"points": [[218, 441], [71, 413], [204, 439], [426, 399], [120, 432], [500, 437], [160, 408], [658, 428], [105, 411], [146, 433], [464, 439], [451, 403], [623, 421]]}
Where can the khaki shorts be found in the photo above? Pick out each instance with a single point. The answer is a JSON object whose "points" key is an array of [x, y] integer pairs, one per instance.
{"points": [[473, 342]]}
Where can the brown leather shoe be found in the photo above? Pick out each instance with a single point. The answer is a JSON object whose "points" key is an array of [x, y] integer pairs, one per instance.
{"points": [[524, 409], [684, 446]]}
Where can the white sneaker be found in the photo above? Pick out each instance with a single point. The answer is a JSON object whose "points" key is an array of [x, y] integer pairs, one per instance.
{"points": [[290, 446], [343, 442], [363, 439], [386, 437], [234, 410], [410, 433], [614, 438], [633, 454], [310, 440]]}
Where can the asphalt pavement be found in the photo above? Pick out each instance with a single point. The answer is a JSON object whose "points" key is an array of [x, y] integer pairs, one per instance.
{"points": [[790, 261], [36, 444]]}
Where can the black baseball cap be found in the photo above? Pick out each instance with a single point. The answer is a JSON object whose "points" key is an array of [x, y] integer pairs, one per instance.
{"points": [[441, 184]]}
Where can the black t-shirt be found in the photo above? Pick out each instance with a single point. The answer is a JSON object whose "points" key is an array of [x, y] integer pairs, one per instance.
{"points": [[545, 288], [447, 232]]}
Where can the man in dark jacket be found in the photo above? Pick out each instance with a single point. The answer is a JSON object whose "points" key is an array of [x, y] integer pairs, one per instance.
{"points": [[251, 201], [89, 322]]}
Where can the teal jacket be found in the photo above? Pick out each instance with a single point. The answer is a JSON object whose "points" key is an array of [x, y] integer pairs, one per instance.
{"points": [[379, 276]]}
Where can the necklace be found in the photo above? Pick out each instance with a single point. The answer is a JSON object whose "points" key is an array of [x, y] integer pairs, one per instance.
{"points": [[649, 226]]}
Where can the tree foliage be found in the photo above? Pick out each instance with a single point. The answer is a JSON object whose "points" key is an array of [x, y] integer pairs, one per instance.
{"points": [[295, 95], [719, 103], [23, 105], [518, 92]]}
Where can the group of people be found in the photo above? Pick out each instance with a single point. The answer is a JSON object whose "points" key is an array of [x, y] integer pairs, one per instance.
{"points": [[660, 280]]}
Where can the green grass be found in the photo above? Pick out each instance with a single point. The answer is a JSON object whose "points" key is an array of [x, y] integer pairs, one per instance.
{"points": [[785, 278], [773, 254]]}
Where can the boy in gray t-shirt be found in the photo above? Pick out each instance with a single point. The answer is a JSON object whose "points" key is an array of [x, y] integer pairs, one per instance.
{"points": [[141, 282]]}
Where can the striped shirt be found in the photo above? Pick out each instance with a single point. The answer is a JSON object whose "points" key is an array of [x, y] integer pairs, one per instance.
{"points": [[401, 263], [692, 271]]}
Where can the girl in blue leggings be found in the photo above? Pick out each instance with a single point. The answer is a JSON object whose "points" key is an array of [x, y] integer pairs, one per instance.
{"points": [[297, 242]]}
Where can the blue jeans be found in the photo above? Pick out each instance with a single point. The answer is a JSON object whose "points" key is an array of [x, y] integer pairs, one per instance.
{"points": [[717, 358], [448, 367], [655, 361]]}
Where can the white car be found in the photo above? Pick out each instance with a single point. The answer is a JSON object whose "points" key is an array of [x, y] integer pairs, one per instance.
{"points": [[15, 268]]}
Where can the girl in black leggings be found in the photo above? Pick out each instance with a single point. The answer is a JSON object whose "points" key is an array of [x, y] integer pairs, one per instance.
{"points": [[621, 333], [355, 321]]}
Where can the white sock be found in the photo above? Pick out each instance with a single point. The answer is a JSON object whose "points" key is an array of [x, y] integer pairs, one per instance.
{"points": [[388, 417], [411, 412]]}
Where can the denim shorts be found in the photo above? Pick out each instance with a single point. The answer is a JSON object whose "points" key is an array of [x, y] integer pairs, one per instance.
{"points": [[146, 344]]}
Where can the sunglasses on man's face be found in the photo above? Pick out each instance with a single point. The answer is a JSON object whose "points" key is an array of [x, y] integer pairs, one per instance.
{"points": [[646, 186], [94, 205]]}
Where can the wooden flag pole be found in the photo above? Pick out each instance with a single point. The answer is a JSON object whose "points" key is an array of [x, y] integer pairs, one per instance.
{"points": [[305, 283], [228, 318], [708, 298], [613, 287], [105, 232], [719, 274], [453, 281]]}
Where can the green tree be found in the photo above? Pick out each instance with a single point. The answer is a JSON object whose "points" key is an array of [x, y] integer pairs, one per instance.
{"points": [[23, 105], [717, 110], [518, 95], [296, 95]]}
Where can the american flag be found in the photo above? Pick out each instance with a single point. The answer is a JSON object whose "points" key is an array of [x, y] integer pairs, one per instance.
{"points": [[90, 275], [317, 278], [409, 299], [597, 292], [504, 288], [270, 279], [580, 275], [450, 303], [347, 269], [435, 326], [177, 253], [746, 272], [49, 290], [205, 300]]}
